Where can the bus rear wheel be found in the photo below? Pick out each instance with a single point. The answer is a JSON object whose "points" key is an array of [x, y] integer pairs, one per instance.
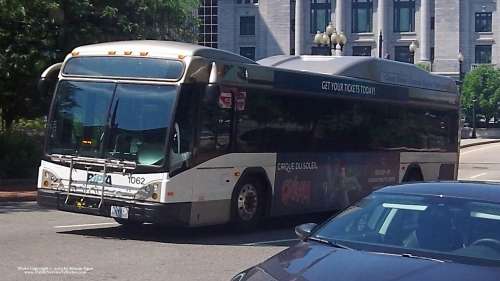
{"points": [[247, 205], [414, 176]]}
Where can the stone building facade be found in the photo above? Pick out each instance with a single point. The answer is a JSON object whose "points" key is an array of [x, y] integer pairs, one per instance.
{"points": [[440, 29]]}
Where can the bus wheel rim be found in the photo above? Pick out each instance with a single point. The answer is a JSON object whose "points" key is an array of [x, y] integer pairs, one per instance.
{"points": [[247, 202]]}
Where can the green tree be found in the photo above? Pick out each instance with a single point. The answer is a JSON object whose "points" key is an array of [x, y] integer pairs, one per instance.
{"points": [[486, 90], [23, 37], [36, 33]]}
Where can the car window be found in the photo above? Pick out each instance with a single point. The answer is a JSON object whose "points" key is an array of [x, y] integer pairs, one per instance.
{"points": [[453, 226]]}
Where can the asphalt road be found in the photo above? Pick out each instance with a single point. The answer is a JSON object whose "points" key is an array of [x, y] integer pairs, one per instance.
{"points": [[42, 244], [480, 163]]}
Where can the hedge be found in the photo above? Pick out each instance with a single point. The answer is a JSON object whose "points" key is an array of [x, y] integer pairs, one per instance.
{"points": [[20, 155]]}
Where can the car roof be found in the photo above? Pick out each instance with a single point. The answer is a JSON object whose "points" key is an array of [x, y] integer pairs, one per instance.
{"points": [[482, 191]]}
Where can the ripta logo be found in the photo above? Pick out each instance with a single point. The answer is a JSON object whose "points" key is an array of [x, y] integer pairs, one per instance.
{"points": [[294, 190], [97, 179]]}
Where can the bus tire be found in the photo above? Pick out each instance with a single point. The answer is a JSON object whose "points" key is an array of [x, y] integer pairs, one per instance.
{"points": [[128, 223], [247, 205], [414, 175]]}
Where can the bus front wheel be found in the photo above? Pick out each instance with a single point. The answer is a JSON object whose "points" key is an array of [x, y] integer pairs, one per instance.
{"points": [[247, 205]]}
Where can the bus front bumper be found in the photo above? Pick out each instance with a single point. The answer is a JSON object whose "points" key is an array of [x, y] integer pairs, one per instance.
{"points": [[160, 213]]}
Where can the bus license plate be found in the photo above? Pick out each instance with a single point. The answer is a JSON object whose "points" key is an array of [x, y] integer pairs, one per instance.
{"points": [[119, 212]]}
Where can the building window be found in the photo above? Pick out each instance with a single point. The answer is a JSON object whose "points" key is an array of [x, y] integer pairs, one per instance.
{"points": [[483, 22], [207, 13], [364, 51], [433, 22], [320, 15], [248, 52], [432, 54], [247, 26], [402, 54], [483, 53], [362, 16], [404, 15]]}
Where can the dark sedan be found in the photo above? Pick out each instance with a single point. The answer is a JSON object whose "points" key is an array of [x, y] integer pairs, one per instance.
{"points": [[413, 231]]}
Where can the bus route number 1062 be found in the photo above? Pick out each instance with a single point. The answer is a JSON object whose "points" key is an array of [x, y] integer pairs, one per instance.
{"points": [[136, 180]]}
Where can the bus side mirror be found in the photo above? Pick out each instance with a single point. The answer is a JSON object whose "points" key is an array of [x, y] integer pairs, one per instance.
{"points": [[43, 87], [212, 94]]}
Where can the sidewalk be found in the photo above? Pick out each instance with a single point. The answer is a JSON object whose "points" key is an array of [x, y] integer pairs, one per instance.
{"points": [[24, 196]]}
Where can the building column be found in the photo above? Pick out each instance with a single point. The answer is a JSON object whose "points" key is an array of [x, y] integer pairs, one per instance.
{"points": [[339, 23], [425, 30], [300, 27], [381, 15]]}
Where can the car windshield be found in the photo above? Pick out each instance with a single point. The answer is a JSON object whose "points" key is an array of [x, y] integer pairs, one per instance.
{"points": [[453, 229], [110, 120]]}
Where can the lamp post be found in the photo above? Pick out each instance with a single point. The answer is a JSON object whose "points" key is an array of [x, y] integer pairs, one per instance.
{"points": [[380, 40], [474, 100], [413, 49], [460, 72], [330, 38]]}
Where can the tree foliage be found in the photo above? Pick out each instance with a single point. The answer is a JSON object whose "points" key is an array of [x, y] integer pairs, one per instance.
{"points": [[486, 90], [36, 33]]}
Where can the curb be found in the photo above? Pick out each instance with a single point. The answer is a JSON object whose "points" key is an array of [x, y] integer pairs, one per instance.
{"points": [[480, 143], [18, 197]]}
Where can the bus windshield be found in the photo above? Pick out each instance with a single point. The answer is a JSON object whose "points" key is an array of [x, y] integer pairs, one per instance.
{"points": [[110, 120]]}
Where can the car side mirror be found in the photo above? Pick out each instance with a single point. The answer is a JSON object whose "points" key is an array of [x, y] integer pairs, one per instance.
{"points": [[212, 94], [43, 86], [303, 230]]}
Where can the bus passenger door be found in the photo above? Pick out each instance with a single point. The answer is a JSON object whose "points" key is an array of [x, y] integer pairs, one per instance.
{"points": [[213, 183]]}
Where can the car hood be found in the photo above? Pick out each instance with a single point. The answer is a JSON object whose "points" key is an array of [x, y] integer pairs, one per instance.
{"points": [[311, 261]]}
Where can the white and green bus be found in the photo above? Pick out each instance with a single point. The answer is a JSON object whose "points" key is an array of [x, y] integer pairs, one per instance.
{"points": [[174, 133]]}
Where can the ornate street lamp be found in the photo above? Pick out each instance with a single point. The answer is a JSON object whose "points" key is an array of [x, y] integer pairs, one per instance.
{"points": [[413, 49], [330, 38], [460, 71]]}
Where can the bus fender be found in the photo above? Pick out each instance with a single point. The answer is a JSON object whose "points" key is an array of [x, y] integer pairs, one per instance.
{"points": [[413, 173], [261, 174]]}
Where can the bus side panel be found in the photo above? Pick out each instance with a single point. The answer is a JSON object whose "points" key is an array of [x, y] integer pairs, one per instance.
{"points": [[312, 182], [434, 165], [215, 180]]}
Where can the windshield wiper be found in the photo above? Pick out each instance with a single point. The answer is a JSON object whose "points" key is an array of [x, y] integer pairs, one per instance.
{"points": [[328, 242], [408, 255], [411, 256]]}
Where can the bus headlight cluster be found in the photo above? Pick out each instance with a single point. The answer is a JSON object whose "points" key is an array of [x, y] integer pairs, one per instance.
{"points": [[149, 192], [50, 180]]}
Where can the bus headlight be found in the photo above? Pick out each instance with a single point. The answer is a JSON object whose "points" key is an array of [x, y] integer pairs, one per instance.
{"points": [[149, 192], [50, 180]]}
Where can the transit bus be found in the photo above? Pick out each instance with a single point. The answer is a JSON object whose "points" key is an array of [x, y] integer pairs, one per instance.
{"points": [[174, 133]]}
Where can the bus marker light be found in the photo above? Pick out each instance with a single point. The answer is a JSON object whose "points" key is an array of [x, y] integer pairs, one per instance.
{"points": [[154, 196], [46, 183], [144, 53], [111, 52], [237, 174], [170, 193], [74, 53], [128, 53], [181, 57]]}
